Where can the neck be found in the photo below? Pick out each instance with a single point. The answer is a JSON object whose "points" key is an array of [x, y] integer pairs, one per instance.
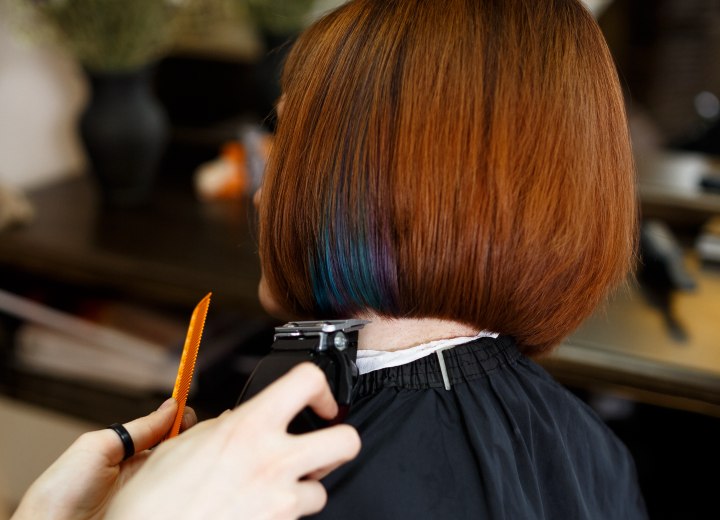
{"points": [[401, 333]]}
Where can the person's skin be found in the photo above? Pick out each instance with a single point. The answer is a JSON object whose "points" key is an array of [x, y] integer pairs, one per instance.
{"points": [[402, 333], [81, 483], [243, 464]]}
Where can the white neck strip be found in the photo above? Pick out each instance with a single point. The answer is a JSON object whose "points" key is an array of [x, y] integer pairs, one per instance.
{"points": [[371, 360]]}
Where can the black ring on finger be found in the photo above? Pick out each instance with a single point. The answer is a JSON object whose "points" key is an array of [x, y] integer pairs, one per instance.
{"points": [[127, 442]]}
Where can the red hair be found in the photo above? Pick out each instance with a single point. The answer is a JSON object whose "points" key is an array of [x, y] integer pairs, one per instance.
{"points": [[456, 159]]}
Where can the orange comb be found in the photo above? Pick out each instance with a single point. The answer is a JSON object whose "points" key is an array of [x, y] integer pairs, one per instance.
{"points": [[187, 362]]}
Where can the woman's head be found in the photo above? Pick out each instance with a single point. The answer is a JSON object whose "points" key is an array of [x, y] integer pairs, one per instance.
{"points": [[458, 159]]}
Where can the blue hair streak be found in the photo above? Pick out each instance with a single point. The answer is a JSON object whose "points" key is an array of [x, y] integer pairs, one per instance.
{"points": [[351, 272]]}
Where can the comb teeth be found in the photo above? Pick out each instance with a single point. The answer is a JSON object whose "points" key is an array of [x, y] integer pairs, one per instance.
{"points": [[187, 361]]}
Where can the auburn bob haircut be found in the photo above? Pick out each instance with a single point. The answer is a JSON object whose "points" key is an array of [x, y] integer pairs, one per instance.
{"points": [[457, 159]]}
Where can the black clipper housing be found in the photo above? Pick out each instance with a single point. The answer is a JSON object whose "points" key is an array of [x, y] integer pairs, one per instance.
{"points": [[330, 344]]}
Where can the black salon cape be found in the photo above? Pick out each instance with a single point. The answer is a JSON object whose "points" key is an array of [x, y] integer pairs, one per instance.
{"points": [[505, 442]]}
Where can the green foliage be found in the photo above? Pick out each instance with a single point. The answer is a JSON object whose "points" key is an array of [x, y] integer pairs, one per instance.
{"points": [[122, 35], [114, 35], [279, 16]]}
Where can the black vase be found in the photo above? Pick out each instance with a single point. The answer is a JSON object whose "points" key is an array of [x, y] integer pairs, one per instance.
{"points": [[125, 131]]}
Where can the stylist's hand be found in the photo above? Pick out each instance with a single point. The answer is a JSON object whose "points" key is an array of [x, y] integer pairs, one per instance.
{"points": [[82, 482], [244, 464]]}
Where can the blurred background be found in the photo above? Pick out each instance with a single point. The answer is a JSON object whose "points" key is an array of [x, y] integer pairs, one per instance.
{"points": [[132, 136]]}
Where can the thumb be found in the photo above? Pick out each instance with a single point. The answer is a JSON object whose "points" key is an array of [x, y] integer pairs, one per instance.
{"points": [[147, 431]]}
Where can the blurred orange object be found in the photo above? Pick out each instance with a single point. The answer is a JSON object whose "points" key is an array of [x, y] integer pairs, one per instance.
{"points": [[226, 177], [238, 169]]}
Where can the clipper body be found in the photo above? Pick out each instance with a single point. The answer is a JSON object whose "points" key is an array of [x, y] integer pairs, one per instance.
{"points": [[330, 344]]}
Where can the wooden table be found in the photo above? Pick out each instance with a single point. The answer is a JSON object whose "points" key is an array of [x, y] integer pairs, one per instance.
{"points": [[171, 252], [626, 348]]}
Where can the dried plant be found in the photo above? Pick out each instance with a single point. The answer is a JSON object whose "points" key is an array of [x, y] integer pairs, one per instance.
{"points": [[279, 16], [111, 35]]}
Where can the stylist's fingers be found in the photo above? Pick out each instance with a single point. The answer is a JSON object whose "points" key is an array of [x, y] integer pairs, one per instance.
{"points": [[311, 497], [319, 452], [321, 473], [144, 432], [147, 431], [189, 419], [304, 385]]}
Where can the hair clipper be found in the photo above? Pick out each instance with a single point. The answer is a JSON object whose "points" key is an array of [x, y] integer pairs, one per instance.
{"points": [[331, 345]]}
